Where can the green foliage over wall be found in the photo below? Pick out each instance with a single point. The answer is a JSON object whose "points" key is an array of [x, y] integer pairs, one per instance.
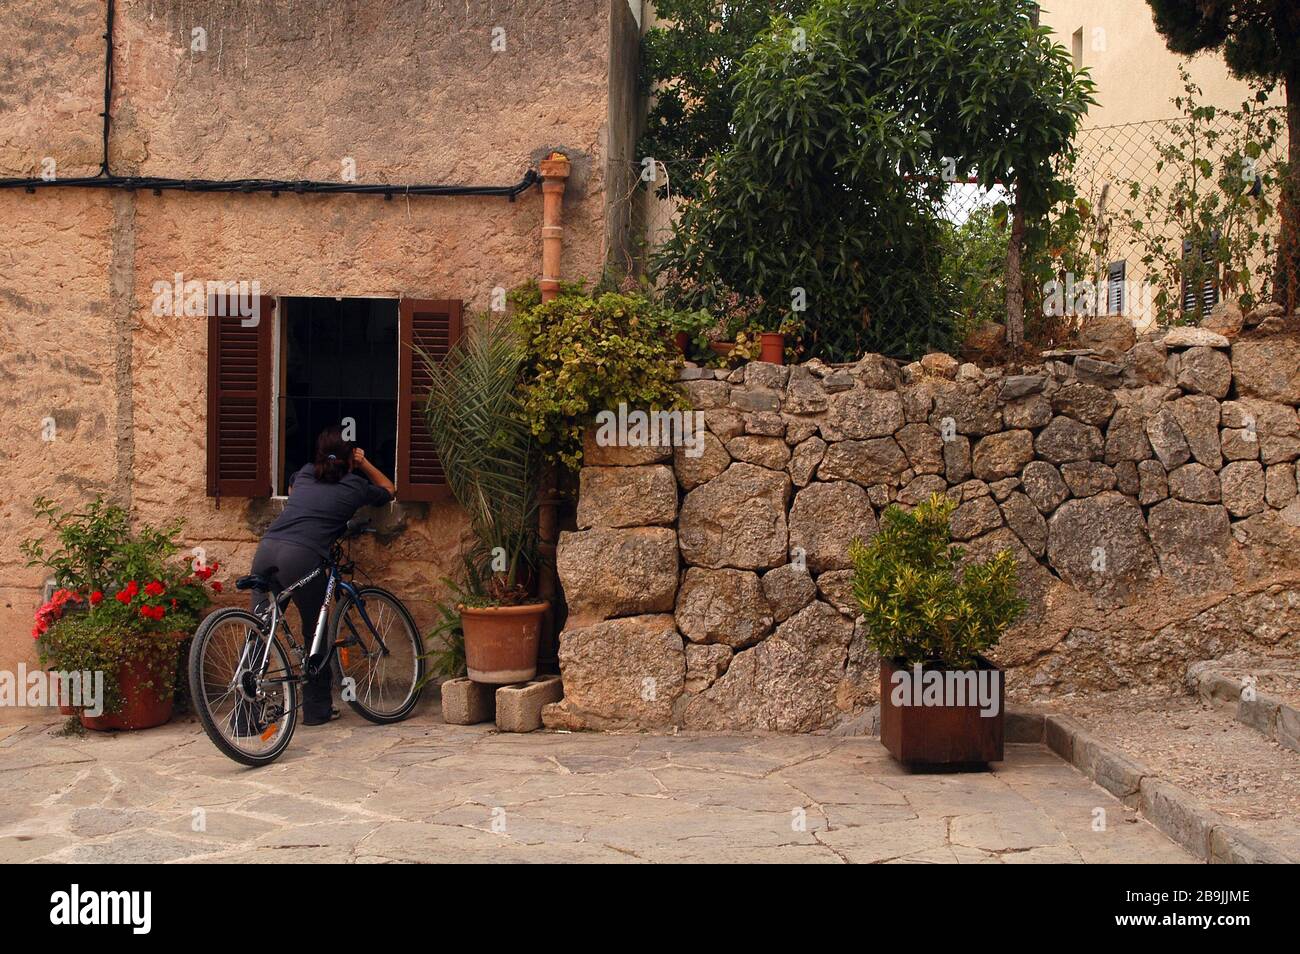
{"points": [[588, 354], [846, 121]]}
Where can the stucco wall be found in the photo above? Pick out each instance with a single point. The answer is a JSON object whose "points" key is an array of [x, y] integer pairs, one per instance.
{"points": [[1135, 72], [411, 91]]}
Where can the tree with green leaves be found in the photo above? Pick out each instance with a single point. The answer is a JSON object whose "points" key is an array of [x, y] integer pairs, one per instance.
{"points": [[849, 123], [689, 62], [1259, 39]]}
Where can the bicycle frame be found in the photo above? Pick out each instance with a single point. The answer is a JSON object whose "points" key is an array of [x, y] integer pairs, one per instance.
{"points": [[317, 649]]}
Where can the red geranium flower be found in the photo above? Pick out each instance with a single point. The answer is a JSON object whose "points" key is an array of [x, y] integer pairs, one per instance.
{"points": [[155, 588], [216, 586], [123, 596], [96, 597]]}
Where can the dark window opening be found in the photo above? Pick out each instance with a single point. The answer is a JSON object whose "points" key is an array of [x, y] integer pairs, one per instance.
{"points": [[338, 361]]}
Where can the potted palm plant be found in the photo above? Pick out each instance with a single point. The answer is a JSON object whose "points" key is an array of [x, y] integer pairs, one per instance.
{"points": [[491, 461], [931, 620]]}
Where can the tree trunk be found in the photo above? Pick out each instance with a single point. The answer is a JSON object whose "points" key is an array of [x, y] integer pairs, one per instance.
{"points": [[1014, 280], [1286, 276]]}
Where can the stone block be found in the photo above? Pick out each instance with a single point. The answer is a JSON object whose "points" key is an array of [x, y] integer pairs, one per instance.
{"points": [[466, 702], [1178, 815], [519, 708], [1023, 726]]}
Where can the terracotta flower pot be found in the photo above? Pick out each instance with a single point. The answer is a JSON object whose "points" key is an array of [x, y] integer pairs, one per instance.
{"points": [[954, 728], [722, 348], [501, 642], [683, 341], [143, 707], [771, 347]]}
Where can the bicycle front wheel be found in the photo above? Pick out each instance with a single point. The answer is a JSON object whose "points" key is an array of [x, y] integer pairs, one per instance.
{"points": [[378, 654], [249, 717]]}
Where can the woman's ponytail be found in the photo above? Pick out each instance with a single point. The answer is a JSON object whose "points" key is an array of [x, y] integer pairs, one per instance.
{"points": [[333, 456]]}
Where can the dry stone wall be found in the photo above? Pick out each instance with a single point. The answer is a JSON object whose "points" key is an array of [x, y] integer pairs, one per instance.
{"points": [[1151, 498]]}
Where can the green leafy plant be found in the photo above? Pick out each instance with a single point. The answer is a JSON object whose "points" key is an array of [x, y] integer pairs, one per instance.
{"points": [[447, 637], [694, 323], [919, 604], [584, 355], [1260, 42], [847, 121], [123, 597], [96, 546], [478, 428], [974, 265], [689, 60], [1218, 203], [99, 640]]}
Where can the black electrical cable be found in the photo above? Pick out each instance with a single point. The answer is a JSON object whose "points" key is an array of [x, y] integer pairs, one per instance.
{"points": [[107, 180]]}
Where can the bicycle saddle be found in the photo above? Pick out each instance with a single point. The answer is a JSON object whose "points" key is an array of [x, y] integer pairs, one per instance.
{"points": [[266, 582]]}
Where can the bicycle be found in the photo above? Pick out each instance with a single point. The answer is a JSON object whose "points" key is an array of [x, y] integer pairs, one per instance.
{"points": [[244, 687]]}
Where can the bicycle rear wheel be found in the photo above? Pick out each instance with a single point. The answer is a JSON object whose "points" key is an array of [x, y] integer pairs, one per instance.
{"points": [[250, 720], [380, 686]]}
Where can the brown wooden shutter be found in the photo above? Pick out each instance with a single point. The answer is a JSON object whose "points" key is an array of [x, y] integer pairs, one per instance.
{"points": [[432, 327], [239, 399]]}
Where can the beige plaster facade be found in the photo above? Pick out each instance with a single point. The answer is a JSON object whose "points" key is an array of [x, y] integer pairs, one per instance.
{"points": [[403, 91], [1135, 72]]}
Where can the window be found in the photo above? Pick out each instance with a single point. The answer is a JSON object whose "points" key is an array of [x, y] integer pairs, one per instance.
{"points": [[338, 367], [275, 380], [1076, 49], [1200, 287], [1115, 303]]}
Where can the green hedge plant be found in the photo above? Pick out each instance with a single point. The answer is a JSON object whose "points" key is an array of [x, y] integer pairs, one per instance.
{"points": [[586, 354], [918, 602]]}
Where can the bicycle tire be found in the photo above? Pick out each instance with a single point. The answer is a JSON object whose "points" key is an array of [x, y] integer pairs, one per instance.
{"points": [[199, 698], [417, 641]]}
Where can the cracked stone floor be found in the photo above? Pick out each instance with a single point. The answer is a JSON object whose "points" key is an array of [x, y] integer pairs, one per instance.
{"points": [[423, 791]]}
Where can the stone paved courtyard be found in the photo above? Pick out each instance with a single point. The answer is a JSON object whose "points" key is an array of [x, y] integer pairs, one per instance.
{"points": [[424, 791]]}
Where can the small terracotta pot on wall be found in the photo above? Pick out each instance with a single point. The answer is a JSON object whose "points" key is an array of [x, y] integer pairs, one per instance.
{"points": [[771, 347], [944, 736], [143, 707], [683, 341], [501, 642]]}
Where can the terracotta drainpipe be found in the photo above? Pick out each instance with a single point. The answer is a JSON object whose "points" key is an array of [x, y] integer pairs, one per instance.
{"points": [[555, 171]]}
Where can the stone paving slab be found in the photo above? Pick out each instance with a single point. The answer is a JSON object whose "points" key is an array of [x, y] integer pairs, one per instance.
{"points": [[424, 791]]}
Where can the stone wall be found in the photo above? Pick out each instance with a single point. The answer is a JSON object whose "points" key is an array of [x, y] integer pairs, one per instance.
{"points": [[1150, 497], [412, 92]]}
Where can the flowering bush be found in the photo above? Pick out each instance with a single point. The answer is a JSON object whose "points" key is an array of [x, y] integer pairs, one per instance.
{"points": [[123, 596]]}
